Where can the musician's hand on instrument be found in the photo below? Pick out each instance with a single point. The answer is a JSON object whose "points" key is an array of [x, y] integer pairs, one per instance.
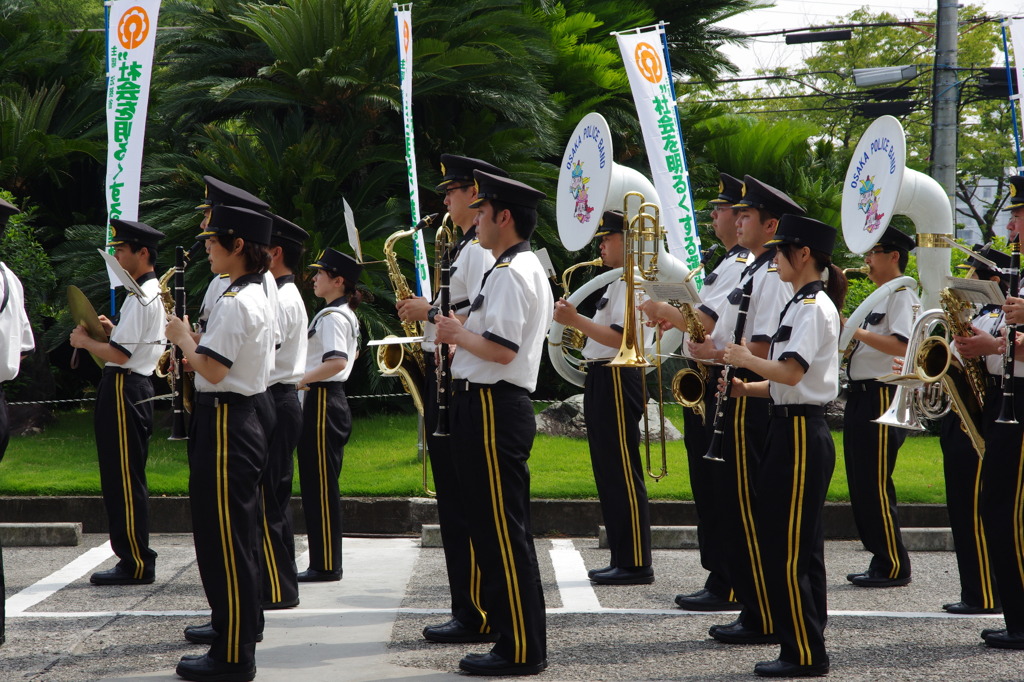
{"points": [[448, 328], [897, 365], [413, 309], [79, 337], [705, 350], [565, 312], [737, 355], [108, 326], [654, 311], [978, 344], [177, 330], [1014, 309]]}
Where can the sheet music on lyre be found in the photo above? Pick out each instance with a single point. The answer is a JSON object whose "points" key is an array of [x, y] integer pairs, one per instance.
{"points": [[673, 293], [979, 291], [129, 283]]}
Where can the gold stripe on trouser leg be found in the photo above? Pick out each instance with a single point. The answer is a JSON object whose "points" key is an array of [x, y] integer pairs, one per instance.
{"points": [[501, 527], [1018, 509], [627, 471], [269, 558], [883, 493], [747, 513], [475, 581], [124, 460], [796, 510], [321, 461], [988, 597], [227, 546]]}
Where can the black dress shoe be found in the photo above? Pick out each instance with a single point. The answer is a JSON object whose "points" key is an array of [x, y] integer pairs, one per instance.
{"points": [[205, 634], [592, 572], [454, 631], [639, 575], [870, 580], [851, 576], [713, 628], [311, 575], [493, 664], [120, 576], [202, 669], [991, 631], [738, 634], [277, 605], [969, 609], [705, 600], [779, 668], [1005, 639]]}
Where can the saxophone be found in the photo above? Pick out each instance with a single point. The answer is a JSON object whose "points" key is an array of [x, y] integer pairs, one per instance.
{"points": [[404, 360], [688, 383]]}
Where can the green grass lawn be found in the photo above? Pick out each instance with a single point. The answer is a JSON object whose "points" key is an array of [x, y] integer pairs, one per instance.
{"points": [[381, 460]]}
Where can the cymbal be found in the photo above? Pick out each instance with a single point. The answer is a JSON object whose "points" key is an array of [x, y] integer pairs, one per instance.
{"points": [[82, 313]]}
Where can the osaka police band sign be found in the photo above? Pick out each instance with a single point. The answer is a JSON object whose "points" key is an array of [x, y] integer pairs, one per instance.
{"points": [[131, 34], [644, 54]]}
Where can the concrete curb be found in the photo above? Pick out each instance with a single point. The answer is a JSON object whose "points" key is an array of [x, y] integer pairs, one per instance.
{"points": [[406, 516]]}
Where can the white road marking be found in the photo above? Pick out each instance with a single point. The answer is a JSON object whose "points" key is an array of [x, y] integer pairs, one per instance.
{"points": [[33, 594], [574, 587]]}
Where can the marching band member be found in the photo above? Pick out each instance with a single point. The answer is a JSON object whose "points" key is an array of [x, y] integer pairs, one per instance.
{"points": [[16, 333], [227, 443], [123, 418], [801, 374], [870, 449], [333, 347], [1002, 486], [962, 470], [493, 427], [469, 262], [747, 419], [280, 584], [613, 403]]}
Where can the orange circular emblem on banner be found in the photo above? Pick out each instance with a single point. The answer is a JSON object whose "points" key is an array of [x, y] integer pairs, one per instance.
{"points": [[133, 28], [648, 60]]}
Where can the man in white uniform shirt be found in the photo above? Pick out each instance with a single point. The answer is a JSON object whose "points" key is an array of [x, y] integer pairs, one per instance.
{"points": [[469, 262], [494, 371], [16, 333], [871, 448], [123, 417]]}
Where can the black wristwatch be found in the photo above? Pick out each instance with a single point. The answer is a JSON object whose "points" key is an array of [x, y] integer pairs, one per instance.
{"points": [[432, 313]]}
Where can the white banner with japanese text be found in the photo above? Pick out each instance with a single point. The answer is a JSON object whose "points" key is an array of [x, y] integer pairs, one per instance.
{"points": [[131, 35], [403, 31], [645, 55]]}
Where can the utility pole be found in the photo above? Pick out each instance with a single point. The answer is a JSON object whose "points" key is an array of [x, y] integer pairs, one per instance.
{"points": [[945, 98]]}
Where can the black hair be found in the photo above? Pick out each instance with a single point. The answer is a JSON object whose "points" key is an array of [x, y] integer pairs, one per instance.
{"points": [[525, 218], [256, 256], [836, 286], [291, 255], [134, 248], [354, 295]]}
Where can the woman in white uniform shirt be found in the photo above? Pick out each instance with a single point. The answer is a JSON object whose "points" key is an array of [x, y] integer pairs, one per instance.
{"points": [[802, 375], [332, 348]]}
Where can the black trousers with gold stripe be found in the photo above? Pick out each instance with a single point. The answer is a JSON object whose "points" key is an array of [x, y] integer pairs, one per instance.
{"points": [[326, 426], [278, 573], [492, 433], [613, 404], [797, 466], [1002, 503], [962, 468], [5, 434], [735, 486], [227, 453], [464, 579], [123, 426], [870, 451], [696, 438]]}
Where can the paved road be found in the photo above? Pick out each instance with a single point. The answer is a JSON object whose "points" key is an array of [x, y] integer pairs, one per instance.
{"points": [[367, 627]]}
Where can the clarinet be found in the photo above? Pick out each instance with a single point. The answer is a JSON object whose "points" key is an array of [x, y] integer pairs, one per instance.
{"points": [[178, 429], [714, 452], [1006, 410], [444, 375]]}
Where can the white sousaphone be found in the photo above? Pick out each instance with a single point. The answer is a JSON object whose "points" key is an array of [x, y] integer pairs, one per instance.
{"points": [[878, 185], [589, 183]]}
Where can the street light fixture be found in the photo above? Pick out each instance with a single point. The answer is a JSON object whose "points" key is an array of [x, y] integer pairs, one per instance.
{"points": [[867, 78]]}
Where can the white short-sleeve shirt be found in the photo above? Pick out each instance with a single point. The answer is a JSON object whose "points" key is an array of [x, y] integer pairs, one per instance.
{"points": [[893, 316], [514, 309], [720, 283], [15, 329], [333, 333], [768, 296], [239, 335], [471, 261], [140, 332], [809, 334], [290, 358]]}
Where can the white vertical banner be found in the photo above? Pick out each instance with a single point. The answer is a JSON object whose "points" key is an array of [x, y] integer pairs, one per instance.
{"points": [[1017, 38], [131, 35], [403, 31], [645, 55]]}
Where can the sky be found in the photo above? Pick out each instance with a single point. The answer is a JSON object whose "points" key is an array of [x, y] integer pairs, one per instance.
{"points": [[772, 51]]}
